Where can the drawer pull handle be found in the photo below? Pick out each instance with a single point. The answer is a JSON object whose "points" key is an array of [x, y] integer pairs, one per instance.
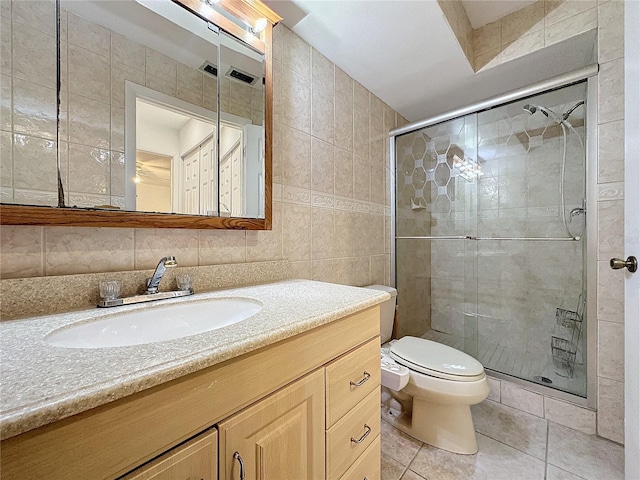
{"points": [[366, 377], [367, 431], [236, 456]]}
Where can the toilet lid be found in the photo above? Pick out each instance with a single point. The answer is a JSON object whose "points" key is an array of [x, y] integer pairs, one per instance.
{"points": [[436, 359]]}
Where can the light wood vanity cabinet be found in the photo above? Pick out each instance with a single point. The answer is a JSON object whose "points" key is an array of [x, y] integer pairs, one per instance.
{"points": [[196, 459], [289, 409]]}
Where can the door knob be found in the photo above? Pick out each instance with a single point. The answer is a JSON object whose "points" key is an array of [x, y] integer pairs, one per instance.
{"points": [[631, 263]]}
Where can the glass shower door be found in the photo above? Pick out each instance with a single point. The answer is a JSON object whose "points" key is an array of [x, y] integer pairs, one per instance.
{"points": [[436, 262]]}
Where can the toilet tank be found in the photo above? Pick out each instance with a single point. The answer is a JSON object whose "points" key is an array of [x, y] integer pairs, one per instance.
{"points": [[387, 311]]}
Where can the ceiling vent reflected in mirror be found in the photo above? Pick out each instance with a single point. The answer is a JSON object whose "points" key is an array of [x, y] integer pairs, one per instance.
{"points": [[241, 76], [209, 68]]}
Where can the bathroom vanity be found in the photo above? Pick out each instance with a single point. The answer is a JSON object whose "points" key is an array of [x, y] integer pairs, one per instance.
{"points": [[292, 392]]}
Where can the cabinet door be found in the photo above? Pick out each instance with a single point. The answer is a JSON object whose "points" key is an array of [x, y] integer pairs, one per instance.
{"points": [[279, 438], [194, 460]]}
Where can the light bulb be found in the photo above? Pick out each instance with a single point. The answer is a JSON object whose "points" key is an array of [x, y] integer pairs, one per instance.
{"points": [[260, 25]]}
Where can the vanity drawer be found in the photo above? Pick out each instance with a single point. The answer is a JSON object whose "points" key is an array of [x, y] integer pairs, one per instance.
{"points": [[352, 434], [367, 466], [351, 378]]}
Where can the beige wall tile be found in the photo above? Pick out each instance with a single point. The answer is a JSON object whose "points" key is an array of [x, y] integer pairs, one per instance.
{"points": [[343, 115], [161, 66], [34, 55], [323, 270], [167, 86], [611, 91], [38, 14], [569, 415], [30, 97], [343, 175], [89, 122], [610, 229], [117, 175], [127, 52], [296, 100], [6, 44], [22, 252], [322, 166], [296, 54], [119, 74], [611, 409], [361, 113], [376, 121], [610, 294], [296, 158], [88, 35], [301, 270], [322, 114], [488, 60], [266, 245], [610, 31], [83, 250], [523, 45], [361, 178], [522, 399], [34, 163], [89, 169], [151, 244], [322, 232], [6, 113], [611, 152], [89, 74], [191, 79], [6, 159], [296, 232], [522, 22], [572, 26], [611, 350], [222, 246], [117, 129], [487, 38], [323, 72], [559, 10]]}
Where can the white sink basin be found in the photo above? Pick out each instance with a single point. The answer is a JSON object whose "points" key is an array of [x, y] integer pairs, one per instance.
{"points": [[155, 324]]}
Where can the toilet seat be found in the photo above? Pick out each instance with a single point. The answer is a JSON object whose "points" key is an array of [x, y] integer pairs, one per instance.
{"points": [[436, 360]]}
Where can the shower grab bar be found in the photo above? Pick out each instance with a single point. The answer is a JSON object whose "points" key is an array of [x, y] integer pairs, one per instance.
{"points": [[441, 237], [532, 239], [470, 237]]}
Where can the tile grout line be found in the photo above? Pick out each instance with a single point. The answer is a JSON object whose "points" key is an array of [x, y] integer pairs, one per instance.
{"points": [[546, 452]]}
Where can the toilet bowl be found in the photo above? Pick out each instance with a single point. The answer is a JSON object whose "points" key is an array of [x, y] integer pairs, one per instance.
{"points": [[429, 387]]}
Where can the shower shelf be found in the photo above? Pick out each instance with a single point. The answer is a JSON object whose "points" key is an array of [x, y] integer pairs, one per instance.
{"points": [[568, 318], [564, 350]]}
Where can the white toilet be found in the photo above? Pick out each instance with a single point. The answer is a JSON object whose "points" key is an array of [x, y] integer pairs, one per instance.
{"points": [[430, 387]]}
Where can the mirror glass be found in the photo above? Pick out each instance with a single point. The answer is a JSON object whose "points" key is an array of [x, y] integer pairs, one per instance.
{"points": [[159, 112]]}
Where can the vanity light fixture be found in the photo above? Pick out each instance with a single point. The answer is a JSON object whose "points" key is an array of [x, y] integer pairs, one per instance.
{"points": [[260, 25]]}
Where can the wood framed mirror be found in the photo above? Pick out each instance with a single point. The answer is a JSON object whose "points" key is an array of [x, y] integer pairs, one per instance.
{"points": [[154, 114]]}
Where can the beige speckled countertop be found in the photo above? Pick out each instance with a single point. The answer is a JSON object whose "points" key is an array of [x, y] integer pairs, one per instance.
{"points": [[40, 384]]}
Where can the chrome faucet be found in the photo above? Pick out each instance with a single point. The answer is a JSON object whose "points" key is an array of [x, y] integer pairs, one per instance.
{"points": [[151, 292], [154, 281]]}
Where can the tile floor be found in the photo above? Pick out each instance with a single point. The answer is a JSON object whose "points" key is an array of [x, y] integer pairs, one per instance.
{"points": [[514, 445]]}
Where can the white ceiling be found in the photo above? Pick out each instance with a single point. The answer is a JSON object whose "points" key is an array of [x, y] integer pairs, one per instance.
{"points": [[406, 53]]}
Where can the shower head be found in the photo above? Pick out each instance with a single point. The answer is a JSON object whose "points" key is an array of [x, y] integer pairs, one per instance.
{"points": [[531, 109]]}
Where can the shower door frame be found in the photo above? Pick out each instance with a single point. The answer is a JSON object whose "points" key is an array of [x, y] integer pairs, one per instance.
{"points": [[589, 74]]}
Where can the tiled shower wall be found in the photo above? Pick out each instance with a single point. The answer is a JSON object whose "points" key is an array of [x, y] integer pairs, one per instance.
{"points": [[331, 204], [541, 24]]}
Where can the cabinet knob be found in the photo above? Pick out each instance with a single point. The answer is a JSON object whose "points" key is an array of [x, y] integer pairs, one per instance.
{"points": [[631, 263]]}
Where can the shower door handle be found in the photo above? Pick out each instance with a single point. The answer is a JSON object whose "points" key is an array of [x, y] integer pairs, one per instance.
{"points": [[631, 263]]}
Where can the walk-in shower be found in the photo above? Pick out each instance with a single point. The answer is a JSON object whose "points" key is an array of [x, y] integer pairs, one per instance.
{"points": [[491, 235]]}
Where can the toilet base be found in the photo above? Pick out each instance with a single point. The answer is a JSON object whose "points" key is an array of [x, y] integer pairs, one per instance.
{"points": [[449, 427]]}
